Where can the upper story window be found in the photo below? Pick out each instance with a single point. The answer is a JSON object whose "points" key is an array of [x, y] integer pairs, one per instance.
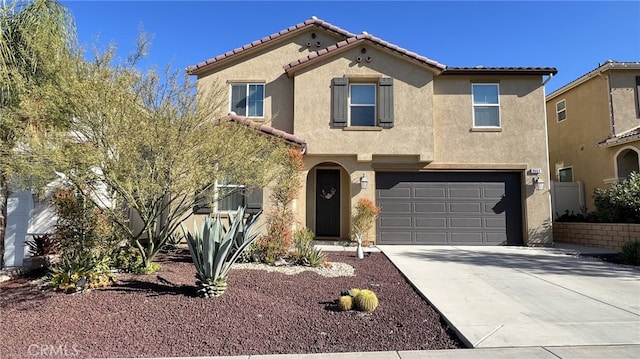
{"points": [[565, 174], [561, 110], [362, 104], [247, 99], [486, 105]]}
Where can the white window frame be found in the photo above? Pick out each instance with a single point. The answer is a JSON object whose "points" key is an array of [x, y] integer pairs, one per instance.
{"points": [[374, 105], [564, 110], [566, 168], [216, 196], [473, 104], [246, 96]]}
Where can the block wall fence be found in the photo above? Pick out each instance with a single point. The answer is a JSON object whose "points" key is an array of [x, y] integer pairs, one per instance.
{"points": [[600, 235]]}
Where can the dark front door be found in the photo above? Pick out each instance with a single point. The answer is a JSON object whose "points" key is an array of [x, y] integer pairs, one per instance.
{"points": [[328, 203]]}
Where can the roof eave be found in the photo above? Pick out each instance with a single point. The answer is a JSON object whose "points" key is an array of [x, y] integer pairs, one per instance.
{"points": [[497, 71], [593, 73]]}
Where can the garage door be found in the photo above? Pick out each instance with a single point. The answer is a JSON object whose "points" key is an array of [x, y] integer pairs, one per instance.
{"points": [[449, 208]]}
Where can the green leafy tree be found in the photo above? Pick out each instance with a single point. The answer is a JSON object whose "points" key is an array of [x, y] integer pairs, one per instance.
{"points": [[151, 144], [35, 38]]}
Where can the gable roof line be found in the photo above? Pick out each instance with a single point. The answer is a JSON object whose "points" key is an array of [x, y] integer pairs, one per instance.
{"points": [[353, 41], [500, 70], [266, 129], [265, 41], [607, 65]]}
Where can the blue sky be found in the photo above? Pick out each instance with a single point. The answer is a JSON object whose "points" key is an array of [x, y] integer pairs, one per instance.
{"points": [[573, 36]]}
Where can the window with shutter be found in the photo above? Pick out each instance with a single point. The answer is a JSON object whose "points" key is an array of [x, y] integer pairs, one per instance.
{"points": [[362, 104], [227, 197]]}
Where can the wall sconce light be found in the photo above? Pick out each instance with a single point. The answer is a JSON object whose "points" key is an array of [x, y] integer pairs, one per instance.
{"points": [[364, 182], [538, 183]]}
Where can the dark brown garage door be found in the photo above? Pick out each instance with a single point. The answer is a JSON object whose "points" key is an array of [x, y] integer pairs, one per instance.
{"points": [[449, 208]]}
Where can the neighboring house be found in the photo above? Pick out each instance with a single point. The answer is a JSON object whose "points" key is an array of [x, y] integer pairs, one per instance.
{"points": [[450, 154], [594, 127]]}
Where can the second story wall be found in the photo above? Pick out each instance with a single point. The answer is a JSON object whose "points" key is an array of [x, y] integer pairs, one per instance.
{"points": [[265, 66], [624, 95], [412, 131], [518, 139]]}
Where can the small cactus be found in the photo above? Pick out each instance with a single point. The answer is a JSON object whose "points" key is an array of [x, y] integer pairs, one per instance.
{"points": [[353, 292], [366, 300], [345, 303]]}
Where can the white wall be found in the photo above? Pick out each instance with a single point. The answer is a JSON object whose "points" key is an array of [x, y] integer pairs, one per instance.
{"points": [[19, 211]]}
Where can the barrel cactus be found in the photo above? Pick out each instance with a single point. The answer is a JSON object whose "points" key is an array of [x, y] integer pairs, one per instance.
{"points": [[366, 300], [345, 303]]}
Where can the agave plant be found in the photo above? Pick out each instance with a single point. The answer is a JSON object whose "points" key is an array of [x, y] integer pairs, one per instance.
{"points": [[216, 247]]}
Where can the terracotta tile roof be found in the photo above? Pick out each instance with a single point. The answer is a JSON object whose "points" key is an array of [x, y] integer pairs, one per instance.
{"points": [[607, 65], [354, 41], [500, 70], [625, 137], [198, 68], [266, 129]]}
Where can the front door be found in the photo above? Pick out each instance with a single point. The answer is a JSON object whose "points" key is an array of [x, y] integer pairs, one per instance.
{"points": [[328, 203]]}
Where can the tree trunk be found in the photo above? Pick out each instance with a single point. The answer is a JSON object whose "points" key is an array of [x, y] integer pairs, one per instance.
{"points": [[4, 199]]}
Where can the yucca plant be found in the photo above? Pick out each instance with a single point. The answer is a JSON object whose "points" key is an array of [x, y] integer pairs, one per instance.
{"points": [[216, 247]]}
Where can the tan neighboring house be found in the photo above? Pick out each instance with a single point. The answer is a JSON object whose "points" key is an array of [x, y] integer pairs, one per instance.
{"points": [[450, 154], [594, 127]]}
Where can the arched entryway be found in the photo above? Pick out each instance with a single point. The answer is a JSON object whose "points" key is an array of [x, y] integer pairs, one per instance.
{"points": [[327, 199], [627, 162]]}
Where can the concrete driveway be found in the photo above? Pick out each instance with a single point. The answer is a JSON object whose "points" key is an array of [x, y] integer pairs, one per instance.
{"points": [[519, 296]]}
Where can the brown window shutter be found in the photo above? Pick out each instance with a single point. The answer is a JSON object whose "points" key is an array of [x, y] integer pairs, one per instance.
{"points": [[340, 92], [385, 102], [253, 197]]}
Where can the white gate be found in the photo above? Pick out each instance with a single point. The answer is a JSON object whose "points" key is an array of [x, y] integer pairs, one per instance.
{"points": [[567, 197]]}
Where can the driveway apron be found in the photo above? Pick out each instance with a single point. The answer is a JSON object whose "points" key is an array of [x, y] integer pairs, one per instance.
{"points": [[519, 296]]}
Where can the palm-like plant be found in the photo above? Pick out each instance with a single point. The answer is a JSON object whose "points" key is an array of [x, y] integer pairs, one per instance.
{"points": [[35, 37], [216, 247]]}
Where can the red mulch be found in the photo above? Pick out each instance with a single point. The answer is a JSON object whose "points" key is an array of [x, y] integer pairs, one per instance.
{"points": [[261, 313]]}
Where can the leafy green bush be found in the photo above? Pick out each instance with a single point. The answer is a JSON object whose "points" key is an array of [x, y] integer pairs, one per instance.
{"points": [[631, 253], [621, 202]]}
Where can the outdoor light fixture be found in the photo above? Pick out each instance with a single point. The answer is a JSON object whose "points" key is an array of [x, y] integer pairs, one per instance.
{"points": [[538, 183], [364, 182]]}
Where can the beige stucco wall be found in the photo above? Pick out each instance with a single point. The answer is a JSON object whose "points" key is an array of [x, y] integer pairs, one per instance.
{"points": [[266, 66], [573, 142], [519, 145], [413, 106], [623, 95]]}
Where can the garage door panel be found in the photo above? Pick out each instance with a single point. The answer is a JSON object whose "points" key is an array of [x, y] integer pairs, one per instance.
{"points": [[399, 237], [433, 192], [466, 223], [431, 237], [466, 237], [449, 207], [495, 222], [440, 207], [474, 192], [472, 207], [431, 223], [397, 207], [395, 222], [397, 192]]}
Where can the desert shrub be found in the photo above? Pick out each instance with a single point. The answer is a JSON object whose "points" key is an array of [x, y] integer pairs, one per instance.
{"points": [[43, 244], [86, 238], [304, 252], [278, 240], [583, 216], [630, 253], [363, 218], [620, 203], [76, 273]]}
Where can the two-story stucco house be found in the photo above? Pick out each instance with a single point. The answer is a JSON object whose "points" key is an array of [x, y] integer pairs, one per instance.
{"points": [[594, 127], [451, 155]]}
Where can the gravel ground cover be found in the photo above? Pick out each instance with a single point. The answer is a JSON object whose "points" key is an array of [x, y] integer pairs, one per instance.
{"points": [[262, 313]]}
